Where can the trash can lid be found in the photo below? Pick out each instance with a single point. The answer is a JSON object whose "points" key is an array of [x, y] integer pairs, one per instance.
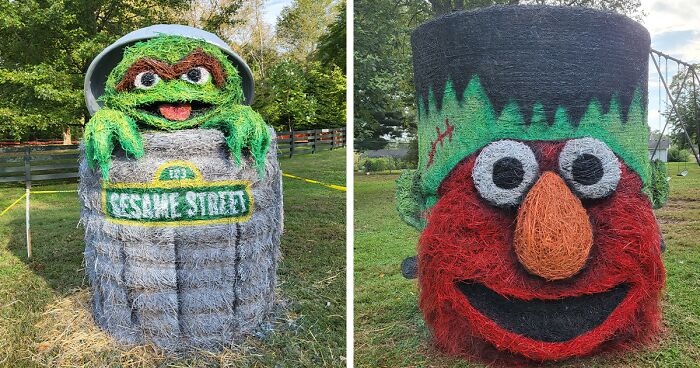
{"points": [[105, 61]]}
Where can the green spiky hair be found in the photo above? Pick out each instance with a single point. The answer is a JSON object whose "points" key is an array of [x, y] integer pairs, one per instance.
{"points": [[473, 123]]}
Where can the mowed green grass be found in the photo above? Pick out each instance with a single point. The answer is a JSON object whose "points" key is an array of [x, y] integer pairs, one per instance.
{"points": [[389, 329], [311, 328]]}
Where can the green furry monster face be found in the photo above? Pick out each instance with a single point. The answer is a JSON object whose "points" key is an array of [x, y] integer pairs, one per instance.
{"points": [[173, 82]]}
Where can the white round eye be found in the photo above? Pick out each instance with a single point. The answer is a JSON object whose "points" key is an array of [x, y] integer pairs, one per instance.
{"points": [[146, 80], [198, 75], [590, 167], [504, 171]]}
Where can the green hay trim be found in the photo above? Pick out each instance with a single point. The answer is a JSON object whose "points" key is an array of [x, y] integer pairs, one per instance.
{"points": [[409, 202], [659, 184], [476, 125]]}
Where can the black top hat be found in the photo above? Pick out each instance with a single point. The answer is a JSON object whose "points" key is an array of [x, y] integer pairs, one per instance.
{"points": [[556, 56]]}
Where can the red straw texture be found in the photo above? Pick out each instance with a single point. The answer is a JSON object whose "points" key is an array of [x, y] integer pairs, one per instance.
{"points": [[468, 240]]}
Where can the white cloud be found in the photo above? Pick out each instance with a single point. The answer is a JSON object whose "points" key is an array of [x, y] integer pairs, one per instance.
{"points": [[674, 27]]}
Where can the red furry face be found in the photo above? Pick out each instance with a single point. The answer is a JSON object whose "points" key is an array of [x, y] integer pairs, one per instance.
{"points": [[480, 297]]}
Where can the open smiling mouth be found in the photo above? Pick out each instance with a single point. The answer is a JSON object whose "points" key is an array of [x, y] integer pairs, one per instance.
{"points": [[176, 111], [545, 320]]}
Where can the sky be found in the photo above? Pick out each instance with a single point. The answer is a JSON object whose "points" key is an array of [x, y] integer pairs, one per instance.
{"points": [[675, 30]]}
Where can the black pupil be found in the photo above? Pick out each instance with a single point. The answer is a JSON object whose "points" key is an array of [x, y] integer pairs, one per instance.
{"points": [[194, 75], [148, 79], [587, 169], [508, 173]]}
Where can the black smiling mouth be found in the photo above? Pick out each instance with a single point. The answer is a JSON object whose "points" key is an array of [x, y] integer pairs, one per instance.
{"points": [[545, 320], [198, 108]]}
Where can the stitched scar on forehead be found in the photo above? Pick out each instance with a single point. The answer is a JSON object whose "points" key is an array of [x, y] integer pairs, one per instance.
{"points": [[198, 58]]}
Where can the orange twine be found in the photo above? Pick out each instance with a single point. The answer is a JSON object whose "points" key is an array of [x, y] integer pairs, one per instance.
{"points": [[553, 235]]}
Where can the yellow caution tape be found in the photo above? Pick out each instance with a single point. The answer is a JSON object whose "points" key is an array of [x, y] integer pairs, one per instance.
{"points": [[54, 191], [332, 186], [37, 192], [12, 205]]}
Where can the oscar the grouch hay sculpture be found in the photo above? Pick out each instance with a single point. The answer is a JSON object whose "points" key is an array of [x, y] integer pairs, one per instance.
{"points": [[534, 191], [181, 192]]}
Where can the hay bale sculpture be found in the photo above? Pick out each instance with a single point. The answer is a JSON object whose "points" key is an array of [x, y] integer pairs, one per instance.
{"points": [[183, 216], [534, 190]]}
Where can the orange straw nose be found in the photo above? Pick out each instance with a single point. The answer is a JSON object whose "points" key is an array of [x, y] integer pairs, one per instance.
{"points": [[553, 235]]}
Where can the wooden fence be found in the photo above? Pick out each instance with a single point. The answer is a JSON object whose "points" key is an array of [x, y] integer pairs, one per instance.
{"points": [[309, 141], [38, 163]]}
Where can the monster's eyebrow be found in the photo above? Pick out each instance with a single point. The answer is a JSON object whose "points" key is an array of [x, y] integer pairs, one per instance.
{"points": [[201, 58], [163, 70]]}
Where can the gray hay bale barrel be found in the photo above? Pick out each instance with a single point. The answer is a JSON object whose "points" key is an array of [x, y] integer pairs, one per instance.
{"points": [[204, 281]]}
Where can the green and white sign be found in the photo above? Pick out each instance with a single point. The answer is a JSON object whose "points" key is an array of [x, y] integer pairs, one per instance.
{"points": [[178, 196]]}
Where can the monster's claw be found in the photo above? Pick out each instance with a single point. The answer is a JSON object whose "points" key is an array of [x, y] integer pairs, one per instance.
{"points": [[243, 127], [101, 132]]}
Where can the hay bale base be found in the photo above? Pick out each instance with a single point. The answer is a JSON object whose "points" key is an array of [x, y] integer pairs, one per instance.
{"points": [[182, 286]]}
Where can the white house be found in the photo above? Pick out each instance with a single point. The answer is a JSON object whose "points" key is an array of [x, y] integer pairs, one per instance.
{"points": [[662, 151]]}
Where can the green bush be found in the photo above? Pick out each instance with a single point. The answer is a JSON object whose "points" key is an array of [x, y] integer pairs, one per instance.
{"points": [[383, 164], [676, 154]]}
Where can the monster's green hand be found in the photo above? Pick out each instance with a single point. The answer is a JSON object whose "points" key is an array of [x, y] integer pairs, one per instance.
{"points": [[243, 127], [102, 130]]}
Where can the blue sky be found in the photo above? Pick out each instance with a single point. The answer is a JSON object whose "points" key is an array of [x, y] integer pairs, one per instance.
{"points": [[675, 30]]}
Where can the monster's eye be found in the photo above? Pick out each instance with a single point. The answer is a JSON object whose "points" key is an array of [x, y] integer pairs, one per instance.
{"points": [[504, 171], [198, 75], [590, 167], [146, 80]]}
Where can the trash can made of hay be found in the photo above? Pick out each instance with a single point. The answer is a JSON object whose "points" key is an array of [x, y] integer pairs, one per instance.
{"points": [[182, 244]]}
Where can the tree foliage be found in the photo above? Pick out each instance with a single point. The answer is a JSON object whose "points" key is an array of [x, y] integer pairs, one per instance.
{"points": [[285, 101], [331, 48], [216, 16], [384, 92], [300, 25], [688, 108], [299, 98]]}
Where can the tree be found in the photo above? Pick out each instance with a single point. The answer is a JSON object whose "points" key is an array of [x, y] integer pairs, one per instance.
{"points": [[688, 108], [328, 88], [45, 49], [254, 39], [284, 102], [384, 91], [331, 48], [216, 16], [301, 24]]}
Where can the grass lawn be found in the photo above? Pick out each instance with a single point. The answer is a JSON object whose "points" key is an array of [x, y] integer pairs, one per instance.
{"points": [[389, 329], [44, 302]]}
